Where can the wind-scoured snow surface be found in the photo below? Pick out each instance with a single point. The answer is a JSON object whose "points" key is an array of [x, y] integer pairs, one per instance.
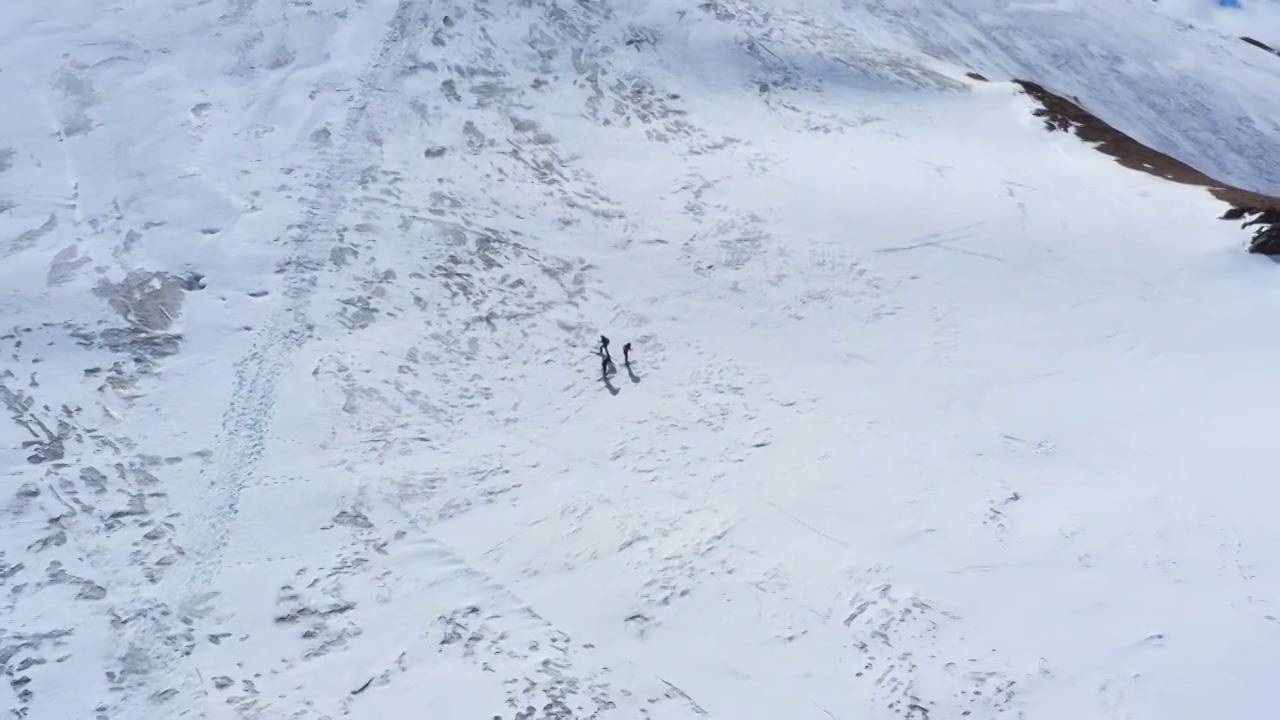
{"points": [[933, 414], [1259, 19]]}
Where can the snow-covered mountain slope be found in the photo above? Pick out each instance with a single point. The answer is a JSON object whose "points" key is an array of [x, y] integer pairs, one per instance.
{"points": [[932, 413], [1257, 19], [1194, 92]]}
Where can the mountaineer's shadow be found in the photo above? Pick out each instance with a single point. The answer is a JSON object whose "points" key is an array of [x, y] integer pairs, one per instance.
{"points": [[632, 374], [608, 383]]}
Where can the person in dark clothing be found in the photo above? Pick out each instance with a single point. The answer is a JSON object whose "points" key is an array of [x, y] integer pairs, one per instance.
{"points": [[626, 354], [605, 360]]}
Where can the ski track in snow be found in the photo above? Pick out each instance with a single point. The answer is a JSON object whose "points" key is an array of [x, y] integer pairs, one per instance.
{"points": [[306, 421], [249, 416]]}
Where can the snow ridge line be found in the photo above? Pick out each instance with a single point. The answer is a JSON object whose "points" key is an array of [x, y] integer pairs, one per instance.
{"points": [[257, 374]]}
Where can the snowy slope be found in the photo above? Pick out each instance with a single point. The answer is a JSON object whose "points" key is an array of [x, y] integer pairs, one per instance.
{"points": [[1258, 19], [1193, 92], [933, 414]]}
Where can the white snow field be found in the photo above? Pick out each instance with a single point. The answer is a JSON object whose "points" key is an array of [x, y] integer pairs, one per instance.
{"points": [[933, 414], [1259, 19]]}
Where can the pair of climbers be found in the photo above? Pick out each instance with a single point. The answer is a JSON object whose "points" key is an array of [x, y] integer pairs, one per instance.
{"points": [[606, 361]]}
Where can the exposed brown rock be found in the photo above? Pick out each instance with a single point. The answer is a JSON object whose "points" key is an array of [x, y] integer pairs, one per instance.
{"points": [[1067, 115], [976, 76]]}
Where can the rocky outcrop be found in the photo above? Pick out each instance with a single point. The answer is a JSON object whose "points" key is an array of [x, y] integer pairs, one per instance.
{"points": [[1266, 239], [1259, 44], [1061, 114]]}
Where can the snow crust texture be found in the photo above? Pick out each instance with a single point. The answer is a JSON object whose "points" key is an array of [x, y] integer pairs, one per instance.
{"points": [[932, 413]]}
